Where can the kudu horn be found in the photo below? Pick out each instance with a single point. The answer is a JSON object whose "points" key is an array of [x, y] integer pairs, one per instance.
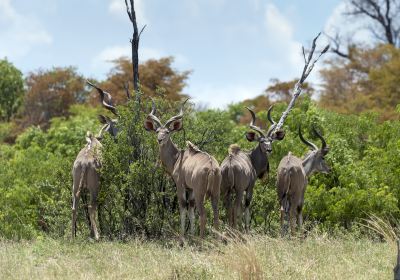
{"points": [[308, 143], [253, 121]]}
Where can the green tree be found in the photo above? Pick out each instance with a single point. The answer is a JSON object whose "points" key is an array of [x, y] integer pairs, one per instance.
{"points": [[157, 77], [11, 89], [50, 93], [366, 82]]}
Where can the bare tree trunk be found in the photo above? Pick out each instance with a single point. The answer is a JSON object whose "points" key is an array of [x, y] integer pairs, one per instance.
{"points": [[130, 9], [308, 67]]}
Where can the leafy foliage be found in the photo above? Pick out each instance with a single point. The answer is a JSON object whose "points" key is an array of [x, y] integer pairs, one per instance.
{"points": [[50, 93], [138, 198], [366, 82], [11, 90], [157, 78]]}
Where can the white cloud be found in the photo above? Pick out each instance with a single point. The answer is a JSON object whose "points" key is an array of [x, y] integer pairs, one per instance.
{"points": [[118, 8], [111, 53], [277, 23], [349, 28], [19, 33], [280, 33], [221, 96], [101, 62]]}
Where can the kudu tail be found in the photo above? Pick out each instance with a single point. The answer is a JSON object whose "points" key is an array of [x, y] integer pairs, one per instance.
{"points": [[81, 179], [231, 176], [285, 201], [213, 182], [233, 150]]}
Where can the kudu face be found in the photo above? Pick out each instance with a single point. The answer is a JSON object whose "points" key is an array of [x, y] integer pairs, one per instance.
{"points": [[264, 139], [317, 162], [315, 159], [110, 125], [265, 143], [152, 123]]}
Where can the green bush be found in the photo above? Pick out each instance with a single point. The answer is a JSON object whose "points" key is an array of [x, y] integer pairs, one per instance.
{"points": [[137, 197]]}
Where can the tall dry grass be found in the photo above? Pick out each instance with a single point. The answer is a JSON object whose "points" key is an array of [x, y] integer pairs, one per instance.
{"points": [[383, 228], [238, 256]]}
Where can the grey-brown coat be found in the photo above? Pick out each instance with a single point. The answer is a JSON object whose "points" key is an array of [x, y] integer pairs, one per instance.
{"points": [[85, 171], [292, 180], [240, 170], [196, 174]]}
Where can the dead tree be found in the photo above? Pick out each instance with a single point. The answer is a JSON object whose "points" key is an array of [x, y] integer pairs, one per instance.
{"points": [[130, 9], [383, 23], [309, 62], [384, 16]]}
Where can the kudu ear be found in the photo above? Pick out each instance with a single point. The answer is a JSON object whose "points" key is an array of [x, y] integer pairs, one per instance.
{"points": [[149, 125], [176, 125], [251, 136], [278, 135], [102, 119]]}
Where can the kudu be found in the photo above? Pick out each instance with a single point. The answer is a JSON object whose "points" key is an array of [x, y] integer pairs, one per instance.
{"points": [[292, 180], [196, 174], [240, 170], [85, 172]]}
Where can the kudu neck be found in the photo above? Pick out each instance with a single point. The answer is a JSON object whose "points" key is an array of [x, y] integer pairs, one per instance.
{"points": [[307, 165], [259, 160], [169, 154]]}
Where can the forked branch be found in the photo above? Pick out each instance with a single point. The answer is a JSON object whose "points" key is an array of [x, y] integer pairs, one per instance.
{"points": [[309, 63]]}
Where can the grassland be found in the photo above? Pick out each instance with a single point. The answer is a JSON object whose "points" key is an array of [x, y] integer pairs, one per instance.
{"points": [[251, 257]]}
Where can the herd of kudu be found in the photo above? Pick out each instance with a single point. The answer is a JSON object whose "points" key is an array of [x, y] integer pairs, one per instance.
{"points": [[198, 175]]}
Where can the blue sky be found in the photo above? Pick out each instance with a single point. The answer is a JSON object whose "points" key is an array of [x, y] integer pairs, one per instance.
{"points": [[234, 47]]}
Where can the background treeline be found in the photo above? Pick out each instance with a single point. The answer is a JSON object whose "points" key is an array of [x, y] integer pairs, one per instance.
{"points": [[139, 198], [44, 117]]}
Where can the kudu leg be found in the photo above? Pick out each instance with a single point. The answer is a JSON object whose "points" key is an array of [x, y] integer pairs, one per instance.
{"points": [[228, 206], [202, 213], [247, 216], [192, 217], [92, 215], [292, 220], [182, 212], [214, 204], [299, 218], [283, 214], [237, 208], [75, 204]]}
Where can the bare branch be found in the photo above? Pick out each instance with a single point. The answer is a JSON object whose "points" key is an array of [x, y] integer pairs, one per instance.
{"points": [[336, 41], [298, 87], [378, 12], [141, 31], [130, 7]]}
